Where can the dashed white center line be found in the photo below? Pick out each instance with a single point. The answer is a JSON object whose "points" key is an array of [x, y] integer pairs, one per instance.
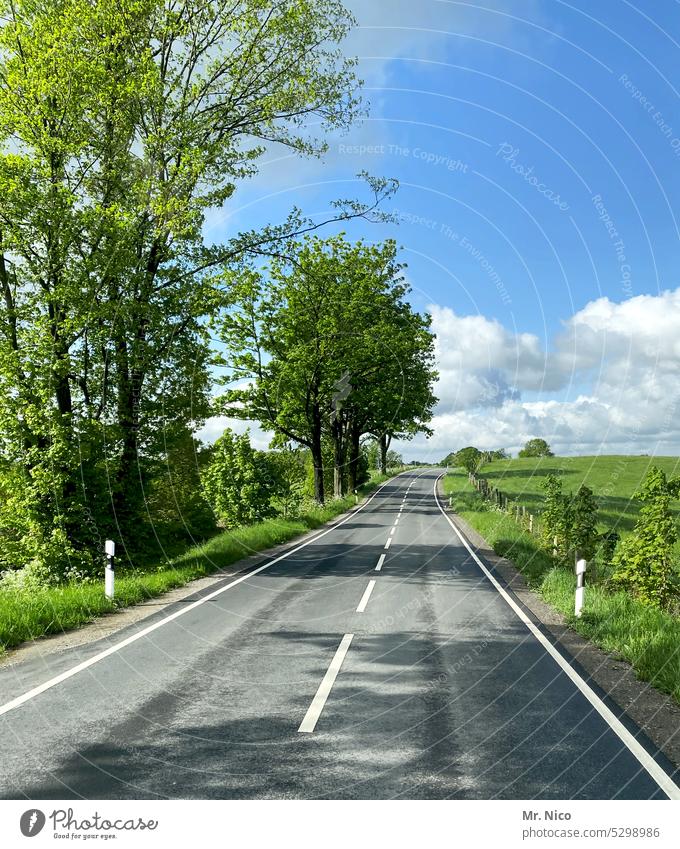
{"points": [[365, 597], [314, 712], [380, 563], [392, 531], [387, 544], [396, 521]]}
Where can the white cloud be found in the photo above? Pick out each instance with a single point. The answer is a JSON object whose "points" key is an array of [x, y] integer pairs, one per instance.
{"points": [[616, 366], [215, 427]]}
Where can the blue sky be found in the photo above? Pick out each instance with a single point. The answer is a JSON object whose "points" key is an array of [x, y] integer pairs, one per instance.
{"points": [[537, 144]]}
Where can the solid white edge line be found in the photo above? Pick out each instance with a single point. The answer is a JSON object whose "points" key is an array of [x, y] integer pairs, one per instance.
{"points": [[308, 724], [365, 597], [69, 673], [669, 787], [380, 563], [387, 544]]}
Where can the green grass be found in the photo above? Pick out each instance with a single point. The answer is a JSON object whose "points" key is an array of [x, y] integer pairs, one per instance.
{"points": [[613, 479], [647, 638], [28, 614]]}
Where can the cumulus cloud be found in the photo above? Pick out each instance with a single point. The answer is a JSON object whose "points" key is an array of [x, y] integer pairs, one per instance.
{"points": [[215, 427], [608, 383]]}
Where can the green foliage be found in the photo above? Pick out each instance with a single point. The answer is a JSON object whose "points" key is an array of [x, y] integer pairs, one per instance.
{"points": [[121, 125], [332, 351], [394, 460], [469, 458], [490, 456], [536, 448], [555, 519], [288, 468], [607, 542], [583, 519], [644, 562], [372, 452], [176, 503], [238, 481], [570, 520]]}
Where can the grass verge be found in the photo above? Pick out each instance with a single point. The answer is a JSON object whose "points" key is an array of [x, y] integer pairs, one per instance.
{"points": [[647, 638], [26, 614]]}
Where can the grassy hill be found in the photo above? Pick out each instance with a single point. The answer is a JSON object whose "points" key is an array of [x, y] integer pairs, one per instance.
{"points": [[613, 479]]}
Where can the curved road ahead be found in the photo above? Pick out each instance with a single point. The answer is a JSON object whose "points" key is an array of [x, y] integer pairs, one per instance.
{"points": [[377, 660]]}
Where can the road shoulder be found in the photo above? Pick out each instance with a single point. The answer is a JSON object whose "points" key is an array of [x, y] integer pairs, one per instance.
{"points": [[656, 713]]}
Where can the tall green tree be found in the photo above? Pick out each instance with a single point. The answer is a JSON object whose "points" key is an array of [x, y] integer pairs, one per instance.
{"points": [[121, 125], [329, 348]]}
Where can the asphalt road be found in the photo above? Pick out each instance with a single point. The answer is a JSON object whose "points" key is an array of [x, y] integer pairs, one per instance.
{"points": [[307, 680]]}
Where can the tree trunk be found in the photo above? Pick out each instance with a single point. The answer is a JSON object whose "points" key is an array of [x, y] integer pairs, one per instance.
{"points": [[317, 461], [354, 455], [317, 455], [129, 387], [384, 445], [338, 458]]}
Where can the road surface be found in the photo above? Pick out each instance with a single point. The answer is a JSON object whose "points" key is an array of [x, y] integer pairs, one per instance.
{"points": [[378, 660]]}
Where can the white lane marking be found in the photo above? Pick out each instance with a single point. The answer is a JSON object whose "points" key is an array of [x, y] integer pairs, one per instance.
{"points": [[365, 597], [669, 787], [396, 521], [392, 530], [69, 673], [308, 724], [380, 563], [388, 543]]}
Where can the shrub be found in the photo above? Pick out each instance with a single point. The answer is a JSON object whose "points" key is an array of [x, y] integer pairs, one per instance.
{"points": [[644, 561], [583, 517], [238, 482], [556, 517]]}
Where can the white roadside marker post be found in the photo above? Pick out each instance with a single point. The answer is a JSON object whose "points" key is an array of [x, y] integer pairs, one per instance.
{"points": [[110, 549], [581, 566]]}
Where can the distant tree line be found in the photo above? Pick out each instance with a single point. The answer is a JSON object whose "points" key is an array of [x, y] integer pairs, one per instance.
{"points": [[472, 459]]}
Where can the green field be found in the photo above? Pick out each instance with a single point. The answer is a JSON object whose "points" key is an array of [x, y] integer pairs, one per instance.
{"points": [[613, 479]]}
